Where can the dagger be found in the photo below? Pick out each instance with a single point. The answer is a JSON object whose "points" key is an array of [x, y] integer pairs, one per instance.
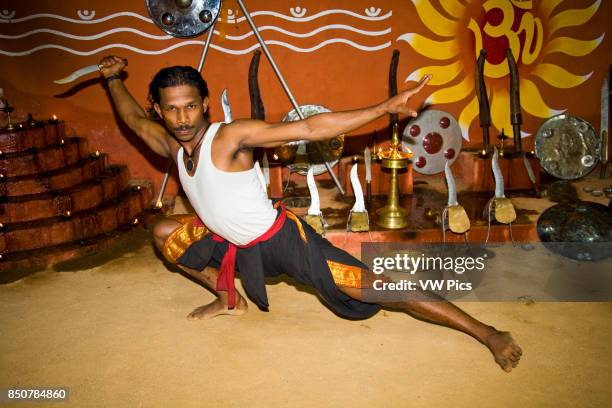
{"points": [[81, 72], [497, 175], [604, 130], [452, 187], [367, 156], [227, 109], [359, 205], [515, 101], [315, 204], [483, 101], [458, 221]]}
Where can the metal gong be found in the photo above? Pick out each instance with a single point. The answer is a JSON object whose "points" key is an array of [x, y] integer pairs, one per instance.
{"points": [[183, 18], [580, 230], [332, 148], [567, 146], [435, 138]]}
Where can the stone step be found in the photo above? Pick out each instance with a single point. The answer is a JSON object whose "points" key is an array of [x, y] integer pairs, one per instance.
{"points": [[75, 199], [41, 160], [21, 140], [60, 230], [77, 173]]}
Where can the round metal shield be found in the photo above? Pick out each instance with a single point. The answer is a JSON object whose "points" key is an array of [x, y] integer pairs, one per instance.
{"points": [[183, 18], [580, 230], [331, 148], [567, 146], [435, 138]]}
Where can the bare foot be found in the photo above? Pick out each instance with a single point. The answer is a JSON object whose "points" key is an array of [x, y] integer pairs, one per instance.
{"points": [[505, 350], [218, 307]]}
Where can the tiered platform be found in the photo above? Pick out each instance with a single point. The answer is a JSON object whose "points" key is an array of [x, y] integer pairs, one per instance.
{"points": [[58, 199]]}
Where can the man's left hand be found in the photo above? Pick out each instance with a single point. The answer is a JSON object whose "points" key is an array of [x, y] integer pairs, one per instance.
{"points": [[399, 103]]}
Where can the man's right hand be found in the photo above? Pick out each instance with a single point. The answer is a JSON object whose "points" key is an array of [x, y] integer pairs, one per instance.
{"points": [[111, 65]]}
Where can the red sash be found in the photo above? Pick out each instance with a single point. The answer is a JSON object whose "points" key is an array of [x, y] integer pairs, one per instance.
{"points": [[225, 281]]}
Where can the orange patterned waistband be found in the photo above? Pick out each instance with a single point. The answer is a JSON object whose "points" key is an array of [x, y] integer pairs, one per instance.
{"points": [[181, 238]]}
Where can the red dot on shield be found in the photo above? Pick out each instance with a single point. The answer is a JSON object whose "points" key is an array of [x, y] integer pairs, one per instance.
{"points": [[415, 130], [449, 153], [444, 122], [432, 143], [420, 162]]}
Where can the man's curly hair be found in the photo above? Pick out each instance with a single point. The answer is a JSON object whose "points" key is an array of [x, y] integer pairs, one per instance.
{"points": [[176, 76]]}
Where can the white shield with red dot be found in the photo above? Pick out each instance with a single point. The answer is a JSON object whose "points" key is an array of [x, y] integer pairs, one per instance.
{"points": [[434, 137]]}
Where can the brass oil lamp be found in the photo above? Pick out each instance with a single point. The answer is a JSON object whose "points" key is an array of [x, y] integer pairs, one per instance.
{"points": [[392, 216]]}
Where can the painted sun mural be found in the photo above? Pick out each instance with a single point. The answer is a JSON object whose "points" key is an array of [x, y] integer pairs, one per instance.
{"points": [[529, 28]]}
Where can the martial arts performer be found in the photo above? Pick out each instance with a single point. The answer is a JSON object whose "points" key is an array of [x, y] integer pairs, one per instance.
{"points": [[238, 228]]}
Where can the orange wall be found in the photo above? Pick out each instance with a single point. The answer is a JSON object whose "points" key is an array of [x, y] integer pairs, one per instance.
{"points": [[338, 76]]}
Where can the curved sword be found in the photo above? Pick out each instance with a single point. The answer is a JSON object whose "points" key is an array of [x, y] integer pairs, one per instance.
{"points": [[81, 72], [356, 184], [484, 111], [515, 101], [450, 182], [315, 204], [458, 221], [497, 175], [504, 209]]}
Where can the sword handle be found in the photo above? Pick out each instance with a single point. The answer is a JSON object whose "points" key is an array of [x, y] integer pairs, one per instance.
{"points": [[125, 62]]}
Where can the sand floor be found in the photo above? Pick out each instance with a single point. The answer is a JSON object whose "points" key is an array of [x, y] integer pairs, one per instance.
{"points": [[117, 336]]}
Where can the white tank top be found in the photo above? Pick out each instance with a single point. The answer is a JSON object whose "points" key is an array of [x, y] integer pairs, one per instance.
{"points": [[233, 205]]}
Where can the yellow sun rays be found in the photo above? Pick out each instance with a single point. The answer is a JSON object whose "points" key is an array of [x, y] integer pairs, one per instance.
{"points": [[438, 50], [542, 19], [434, 20], [559, 77], [453, 93], [453, 7], [572, 47], [572, 18], [533, 103], [548, 6], [500, 109], [441, 75], [468, 114]]}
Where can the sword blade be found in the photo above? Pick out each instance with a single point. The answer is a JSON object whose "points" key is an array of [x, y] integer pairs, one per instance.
{"points": [[497, 175], [78, 73], [452, 188], [227, 109]]}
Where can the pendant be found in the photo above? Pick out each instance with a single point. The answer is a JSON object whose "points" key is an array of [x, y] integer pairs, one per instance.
{"points": [[189, 164]]}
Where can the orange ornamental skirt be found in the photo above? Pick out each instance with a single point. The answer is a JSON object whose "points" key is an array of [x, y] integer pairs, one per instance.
{"points": [[295, 250]]}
